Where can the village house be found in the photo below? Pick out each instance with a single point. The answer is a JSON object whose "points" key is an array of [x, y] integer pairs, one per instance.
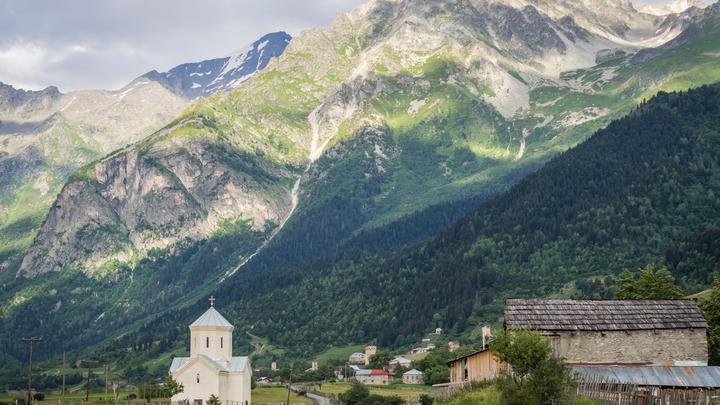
{"points": [[670, 333], [211, 368], [357, 358], [477, 366], [373, 377], [399, 362], [345, 372], [623, 332], [420, 350], [413, 377]]}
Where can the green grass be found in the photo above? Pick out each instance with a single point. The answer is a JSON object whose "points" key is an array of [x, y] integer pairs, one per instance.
{"points": [[95, 397], [407, 392], [338, 353], [491, 396], [276, 395], [488, 395], [701, 296], [416, 357]]}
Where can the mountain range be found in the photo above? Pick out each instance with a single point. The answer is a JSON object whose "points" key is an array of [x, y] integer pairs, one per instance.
{"points": [[378, 159], [46, 135]]}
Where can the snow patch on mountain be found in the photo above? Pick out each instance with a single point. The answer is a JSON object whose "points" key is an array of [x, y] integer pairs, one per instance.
{"points": [[201, 79]]}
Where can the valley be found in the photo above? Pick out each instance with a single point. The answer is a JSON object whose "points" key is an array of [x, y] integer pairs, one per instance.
{"points": [[413, 164]]}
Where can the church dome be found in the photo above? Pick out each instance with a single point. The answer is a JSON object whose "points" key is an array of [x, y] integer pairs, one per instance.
{"points": [[211, 319]]}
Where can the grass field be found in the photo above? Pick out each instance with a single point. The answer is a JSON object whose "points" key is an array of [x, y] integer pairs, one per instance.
{"points": [[276, 395], [701, 296], [339, 353], [401, 390], [68, 399], [487, 396], [260, 395], [416, 357]]}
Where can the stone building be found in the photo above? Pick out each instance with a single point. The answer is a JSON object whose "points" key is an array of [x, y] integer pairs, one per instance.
{"points": [[370, 351], [373, 377], [620, 332], [399, 361], [413, 377], [357, 358]]}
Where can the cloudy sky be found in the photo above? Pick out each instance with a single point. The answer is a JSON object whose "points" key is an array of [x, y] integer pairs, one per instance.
{"points": [[80, 44]]}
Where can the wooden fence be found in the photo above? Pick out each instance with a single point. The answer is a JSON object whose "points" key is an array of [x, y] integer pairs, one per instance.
{"points": [[611, 392]]}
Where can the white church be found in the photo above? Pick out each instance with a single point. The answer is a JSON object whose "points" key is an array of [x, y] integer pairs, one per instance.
{"points": [[211, 368]]}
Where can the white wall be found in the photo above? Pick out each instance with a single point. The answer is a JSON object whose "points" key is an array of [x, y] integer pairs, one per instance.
{"points": [[238, 388], [209, 382], [220, 343]]}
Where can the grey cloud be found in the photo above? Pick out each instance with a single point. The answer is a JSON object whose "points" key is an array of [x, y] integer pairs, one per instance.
{"points": [[76, 44]]}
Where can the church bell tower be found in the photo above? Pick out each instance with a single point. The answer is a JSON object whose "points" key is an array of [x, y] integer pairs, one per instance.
{"points": [[211, 336]]}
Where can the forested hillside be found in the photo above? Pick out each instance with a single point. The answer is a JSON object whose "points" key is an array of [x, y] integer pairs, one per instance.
{"points": [[644, 188], [309, 200]]}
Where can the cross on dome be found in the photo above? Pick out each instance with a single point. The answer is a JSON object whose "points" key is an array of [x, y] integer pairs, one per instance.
{"points": [[212, 301]]}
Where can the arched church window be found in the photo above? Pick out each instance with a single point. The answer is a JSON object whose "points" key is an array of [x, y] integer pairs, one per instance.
{"points": [[207, 341], [197, 377]]}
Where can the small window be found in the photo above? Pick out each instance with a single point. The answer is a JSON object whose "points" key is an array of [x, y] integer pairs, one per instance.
{"points": [[207, 341], [221, 342], [197, 378]]}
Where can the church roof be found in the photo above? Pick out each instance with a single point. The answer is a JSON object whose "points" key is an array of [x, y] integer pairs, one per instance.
{"points": [[178, 362], [211, 318], [236, 364]]}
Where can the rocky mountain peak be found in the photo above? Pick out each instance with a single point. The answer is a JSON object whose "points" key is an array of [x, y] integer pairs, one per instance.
{"points": [[675, 7], [200, 79], [12, 99]]}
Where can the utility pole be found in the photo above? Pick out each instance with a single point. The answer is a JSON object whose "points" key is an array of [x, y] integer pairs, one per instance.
{"points": [[30, 341], [62, 393], [87, 385], [107, 371], [289, 383]]}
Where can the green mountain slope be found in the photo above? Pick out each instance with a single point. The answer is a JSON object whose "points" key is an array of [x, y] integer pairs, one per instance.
{"points": [[368, 136], [640, 187]]}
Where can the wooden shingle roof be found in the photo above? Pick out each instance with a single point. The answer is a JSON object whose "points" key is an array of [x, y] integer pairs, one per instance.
{"points": [[602, 315]]}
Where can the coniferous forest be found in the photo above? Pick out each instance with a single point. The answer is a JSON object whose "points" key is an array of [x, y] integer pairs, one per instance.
{"points": [[643, 190]]}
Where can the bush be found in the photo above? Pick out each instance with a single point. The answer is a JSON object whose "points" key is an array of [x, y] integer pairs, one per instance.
{"points": [[381, 400], [39, 396], [537, 376], [437, 375], [425, 399], [355, 394]]}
